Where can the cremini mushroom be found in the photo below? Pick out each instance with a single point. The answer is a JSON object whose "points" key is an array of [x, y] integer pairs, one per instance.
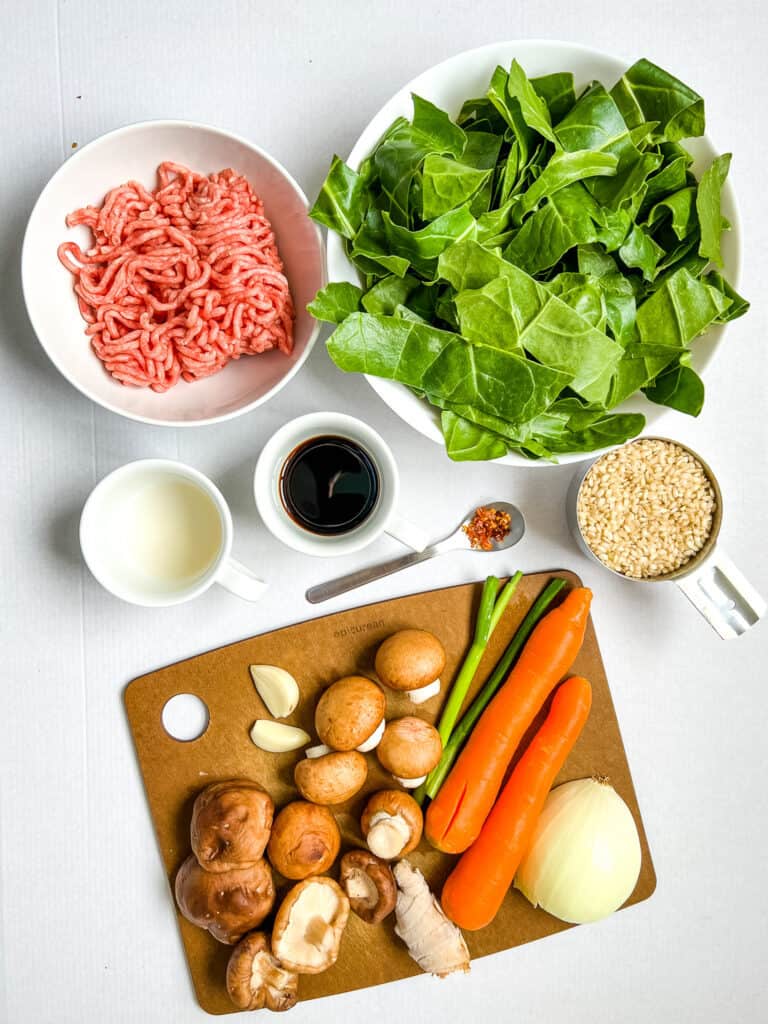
{"points": [[411, 661], [305, 840], [309, 925], [227, 903], [369, 884], [231, 822], [409, 749], [331, 778], [256, 979], [350, 714], [391, 824]]}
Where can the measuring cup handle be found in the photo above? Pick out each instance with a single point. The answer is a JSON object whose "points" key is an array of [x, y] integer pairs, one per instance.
{"points": [[238, 579], [407, 533], [723, 595]]}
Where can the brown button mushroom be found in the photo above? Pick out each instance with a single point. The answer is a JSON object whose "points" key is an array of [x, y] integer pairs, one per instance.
{"points": [[231, 822], [332, 778], [309, 924], [256, 979], [350, 714], [410, 748], [227, 903], [305, 840], [411, 660], [369, 885], [391, 823]]}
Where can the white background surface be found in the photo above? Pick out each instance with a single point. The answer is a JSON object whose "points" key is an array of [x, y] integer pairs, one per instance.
{"points": [[87, 929]]}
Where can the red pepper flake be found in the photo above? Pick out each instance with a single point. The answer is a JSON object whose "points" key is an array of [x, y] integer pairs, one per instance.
{"points": [[486, 526]]}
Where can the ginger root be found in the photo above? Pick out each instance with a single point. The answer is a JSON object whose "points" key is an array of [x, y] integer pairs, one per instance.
{"points": [[434, 942]]}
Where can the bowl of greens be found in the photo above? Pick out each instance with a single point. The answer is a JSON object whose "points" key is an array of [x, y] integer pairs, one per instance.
{"points": [[532, 251]]}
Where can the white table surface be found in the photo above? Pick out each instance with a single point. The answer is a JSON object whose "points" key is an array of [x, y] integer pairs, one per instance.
{"points": [[87, 930]]}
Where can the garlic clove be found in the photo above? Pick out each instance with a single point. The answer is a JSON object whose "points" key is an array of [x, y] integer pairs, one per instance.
{"points": [[410, 783], [277, 688], [425, 693], [319, 750], [276, 737], [373, 740]]}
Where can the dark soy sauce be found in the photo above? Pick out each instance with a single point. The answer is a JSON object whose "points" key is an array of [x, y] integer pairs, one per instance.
{"points": [[329, 485]]}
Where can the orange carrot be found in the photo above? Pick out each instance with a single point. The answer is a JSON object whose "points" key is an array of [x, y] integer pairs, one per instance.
{"points": [[457, 813], [476, 887]]}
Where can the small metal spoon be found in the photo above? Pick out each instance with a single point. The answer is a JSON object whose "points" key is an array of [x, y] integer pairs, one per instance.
{"points": [[456, 541]]}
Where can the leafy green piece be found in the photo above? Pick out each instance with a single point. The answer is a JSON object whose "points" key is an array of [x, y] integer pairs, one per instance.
{"points": [[444, 364], [680, 310], [563, 170], [679, 387], [387, 294], [447, 184], [557, 92], [738, 305], [569, 218], [508, 107], [533, 108], [568, 427], [680, 209], [342, 202], [582, 293], [466, 441], [596, 123], [335, 302], [670, 178], [708, 207], [646, 92], [515, 312], [639, 250], [442, 134], [371, 246], [421, 248]]}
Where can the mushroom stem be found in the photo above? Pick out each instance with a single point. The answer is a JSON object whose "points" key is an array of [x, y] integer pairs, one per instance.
{"points": [[425, 693], [319, 750], [373, 740], [410, 783], [388, 835]]}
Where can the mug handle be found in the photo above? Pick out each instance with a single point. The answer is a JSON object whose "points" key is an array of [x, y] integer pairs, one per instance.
{"points": [[723, 595], [239, 580], [409, 534]]}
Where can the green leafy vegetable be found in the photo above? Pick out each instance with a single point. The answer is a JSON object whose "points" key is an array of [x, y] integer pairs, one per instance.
{"points": [[335, 302], [530, 265], [708, 207]]}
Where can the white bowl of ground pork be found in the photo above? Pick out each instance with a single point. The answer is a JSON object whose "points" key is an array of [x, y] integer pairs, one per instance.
{"points": [[134, 153], [467, 74]]}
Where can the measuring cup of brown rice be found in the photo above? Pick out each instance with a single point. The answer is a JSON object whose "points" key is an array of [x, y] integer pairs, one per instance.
{"points": [[650, 511]]}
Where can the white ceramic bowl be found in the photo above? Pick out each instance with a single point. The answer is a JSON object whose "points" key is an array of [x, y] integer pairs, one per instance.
{"points": [[135, 152], [448, 85]]}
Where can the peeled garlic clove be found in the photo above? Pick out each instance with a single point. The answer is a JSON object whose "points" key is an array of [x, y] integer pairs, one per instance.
{"points": [[277, 688], [410, 783], [424, 693], [276, 737], [373, 740], [318, 751]]}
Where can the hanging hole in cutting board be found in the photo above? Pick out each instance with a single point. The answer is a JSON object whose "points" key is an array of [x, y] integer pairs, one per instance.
{"points": [[185, 717]]}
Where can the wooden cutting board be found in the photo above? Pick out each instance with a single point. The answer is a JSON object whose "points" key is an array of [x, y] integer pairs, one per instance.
{"points": [[316, 653]]}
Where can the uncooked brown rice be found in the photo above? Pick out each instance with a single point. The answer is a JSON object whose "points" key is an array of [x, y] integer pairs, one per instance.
{"points": [[646, 509]]}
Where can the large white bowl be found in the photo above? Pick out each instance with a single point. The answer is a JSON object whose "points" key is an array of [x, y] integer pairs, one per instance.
{"points": [[467, 75], [134, 152]]}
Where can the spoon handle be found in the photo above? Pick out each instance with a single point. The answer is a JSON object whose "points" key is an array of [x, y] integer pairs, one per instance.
{"points": [[325, 591]]}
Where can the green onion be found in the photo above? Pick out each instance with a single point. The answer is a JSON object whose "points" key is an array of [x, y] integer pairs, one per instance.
{"points": [[458, 736]]}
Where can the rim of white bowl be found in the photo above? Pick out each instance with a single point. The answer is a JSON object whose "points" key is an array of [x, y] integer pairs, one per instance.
{"points": [[734, 270], [322, 252]]}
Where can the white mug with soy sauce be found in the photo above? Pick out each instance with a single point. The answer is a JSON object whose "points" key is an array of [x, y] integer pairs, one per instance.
{"points": [[156, 533], [709, 579], [327, 484]]}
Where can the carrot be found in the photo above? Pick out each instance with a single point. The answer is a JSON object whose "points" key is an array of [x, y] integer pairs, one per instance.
{"points": [[457, 813], [476, 887]]}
